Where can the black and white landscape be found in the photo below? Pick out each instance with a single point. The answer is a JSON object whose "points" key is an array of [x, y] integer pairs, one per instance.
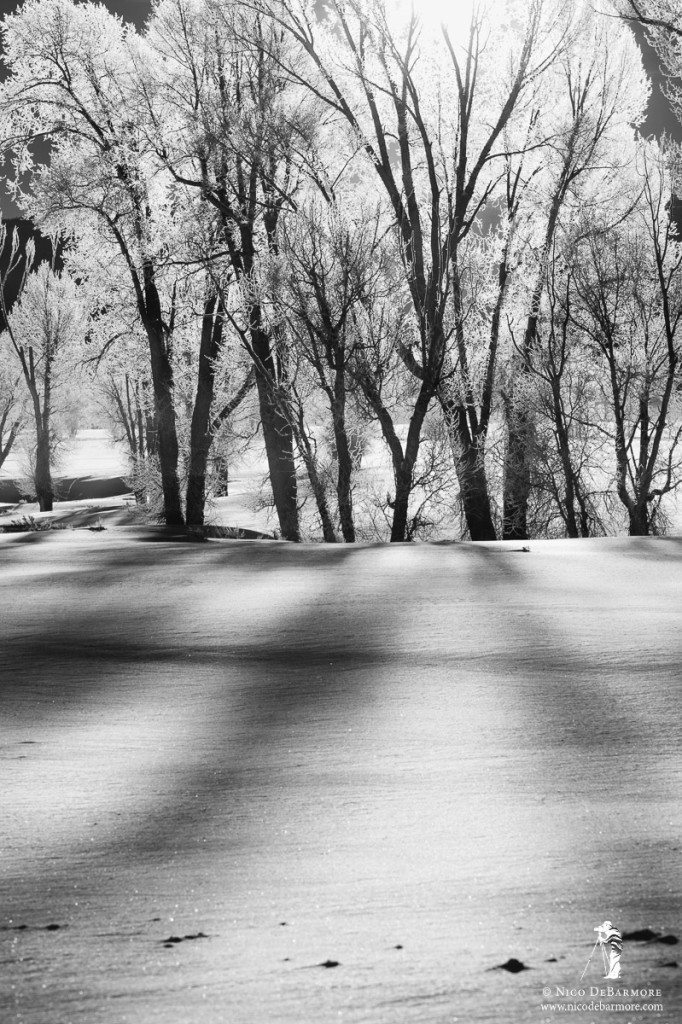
{"points": [[340, 446]]}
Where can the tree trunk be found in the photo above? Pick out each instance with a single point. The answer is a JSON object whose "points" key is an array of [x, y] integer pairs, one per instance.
{"points": [[317, 484], [520, 454], [475, 497], [201, 434], [344, 460], [221, 475], [470, 469], [140, 481], [404, 472], [7, 439], [42, 476], [563, 442], [278, 437], [167, 438], [403, 489], [638, 520], [403, 460], [517, 475]]}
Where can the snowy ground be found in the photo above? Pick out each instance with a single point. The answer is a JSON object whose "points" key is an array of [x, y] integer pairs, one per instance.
{"points": [[93, 461], [89, 452], [470, 752]]}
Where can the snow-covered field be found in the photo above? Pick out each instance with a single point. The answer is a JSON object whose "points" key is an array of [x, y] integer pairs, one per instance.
{"points": [[89, 452], [417, 761]]}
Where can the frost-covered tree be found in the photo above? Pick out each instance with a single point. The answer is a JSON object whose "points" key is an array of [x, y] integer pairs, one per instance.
{"points": [[71, 74], [628, 304], [229, 126], [590, 100], [330, 264], [662, 23], [210, 379], [46, 329], [432, 112]]}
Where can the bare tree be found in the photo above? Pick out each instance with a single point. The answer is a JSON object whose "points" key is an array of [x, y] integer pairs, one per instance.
{"points": [[566, 445], [601, 90], [331, 265], [629, 287]]}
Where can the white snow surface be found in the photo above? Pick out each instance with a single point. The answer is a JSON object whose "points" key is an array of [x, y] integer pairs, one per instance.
{"points": [[89, 452], [469, 751]]}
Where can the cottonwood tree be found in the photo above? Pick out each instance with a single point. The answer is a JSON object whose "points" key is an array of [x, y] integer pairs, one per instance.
{"points": [[330, 265], [398, 401], [71, 72], [46, 328], [210, 380], [224, 123], [595, 93], [118, 370], [428, 109], [218, 379], [662, 23], [568, 453], [628, 287]]}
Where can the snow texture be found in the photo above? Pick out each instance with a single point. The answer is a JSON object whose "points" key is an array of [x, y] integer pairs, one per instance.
{"points": [[411, 762]]}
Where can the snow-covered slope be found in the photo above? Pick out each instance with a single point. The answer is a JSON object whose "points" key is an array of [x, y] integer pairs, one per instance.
{"points": [[470, 752]]}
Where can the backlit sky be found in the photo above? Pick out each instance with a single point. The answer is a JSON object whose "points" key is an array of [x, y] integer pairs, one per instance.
{"points": [[659, 119], [132, 10]]}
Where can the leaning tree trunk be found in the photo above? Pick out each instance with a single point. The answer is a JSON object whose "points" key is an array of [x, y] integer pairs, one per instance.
{"points": [[305, 447], [7, 440]]}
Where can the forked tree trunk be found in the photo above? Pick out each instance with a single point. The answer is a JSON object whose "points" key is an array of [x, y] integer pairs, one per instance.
{"points": [[403, 468], [201, 433], [470, 469]]}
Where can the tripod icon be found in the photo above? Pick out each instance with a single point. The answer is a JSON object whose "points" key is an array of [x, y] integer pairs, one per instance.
{"points": [[610, 940]]}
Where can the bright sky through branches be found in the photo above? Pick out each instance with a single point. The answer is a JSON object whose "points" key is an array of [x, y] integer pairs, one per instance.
{"points": [[454, 14]]}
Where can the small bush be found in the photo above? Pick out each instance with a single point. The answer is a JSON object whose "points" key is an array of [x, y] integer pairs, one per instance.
{"points": [[29, 524]]}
